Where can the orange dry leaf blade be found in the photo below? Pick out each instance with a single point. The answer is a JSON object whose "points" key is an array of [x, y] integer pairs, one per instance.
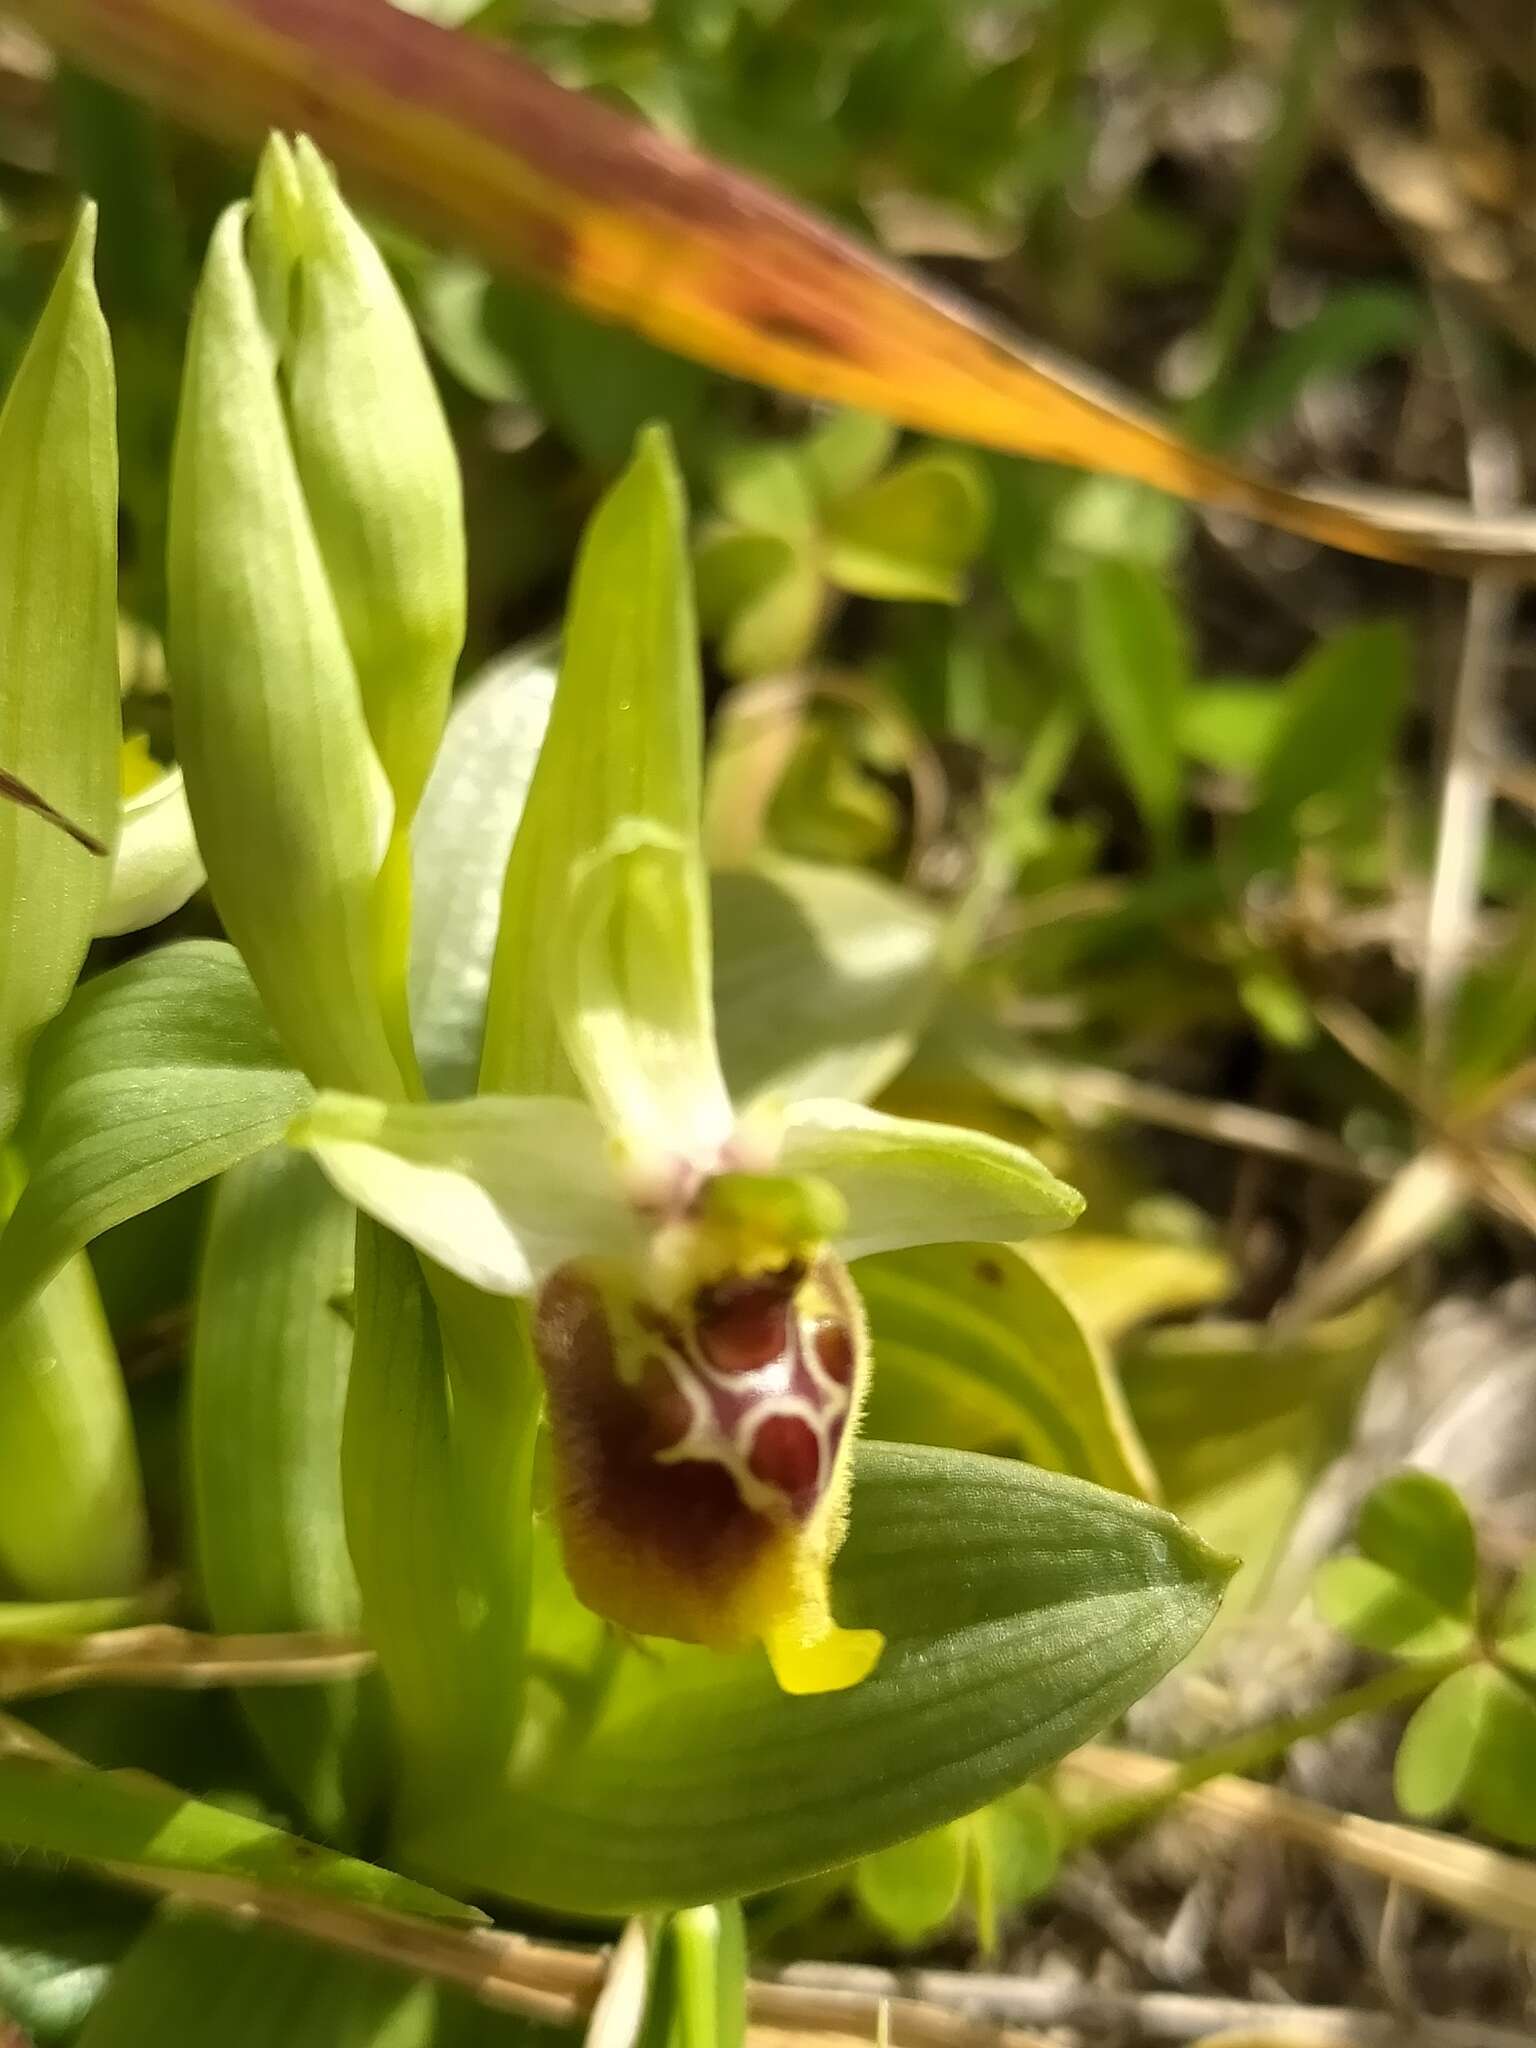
{"points": [[478, 147]]}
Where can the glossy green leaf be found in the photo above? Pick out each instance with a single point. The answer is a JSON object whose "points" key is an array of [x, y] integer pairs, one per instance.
{"points": [[72, 1522], [911, 1889], [976, 1350], [1023, 1611], [1324, 775], [68, 1809], [604, 937], [159, 1075], [905, 1182], [462, 838], [280, 771], [912, 533], [374, 455], [59, 715], [1136, 672], [156, 865], [498, 1189], [824, 978], [271, 1349], [1472, 1745]]}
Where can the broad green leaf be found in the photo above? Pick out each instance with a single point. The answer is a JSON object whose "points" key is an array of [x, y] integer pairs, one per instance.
{"points": [[1239, 1425], [1415, 1525], [1377, 1609], [1023, 1611], [763, 487], [907, 1183], [158, 1075], [1018, 1844], [1472, 1744], [911, 1889], [699, 1983], [59, 717], [65, 1808], [1136, 672], [462, 838], [604, 923], [1325, 772], [1231, 725], [1114, 1283], [72, 1523], [976, 1350], [846, 452], [292, 809], [496, 1188], [156, 866], [435, 1483], [271, 1349], [912, 533], [374, 455], [824, 978], [191, 1980]]}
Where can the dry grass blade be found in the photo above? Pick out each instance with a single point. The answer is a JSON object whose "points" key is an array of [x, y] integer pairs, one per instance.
{"points": [[481, 149], [15, 791], [166, 1656], [1481, 1883], [1398, 1222]]}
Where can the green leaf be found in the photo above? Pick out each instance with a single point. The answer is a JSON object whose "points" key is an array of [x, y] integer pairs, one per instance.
{"points": [[1413, 1590], [157, 1076], [1380, 1611], [1231, 726], [606, 865], [374, 455], [846, 452], [191, 1980], [975, 1350], [763, 487], [1516, 1633], [1136, 671], [59, 1940], [698, 1993], [908, 1183], [760, 598], [1023, 1611], [72, 1523], [271, 1350], [912, 533], [463, 837], [1326, 770], [496, 1188], [824, 978], [59, 717], [1238, 1426], [64, 1808], [1415, 1525], [911, 1889], [156, 866], [280, 770], [1472, 1744]]}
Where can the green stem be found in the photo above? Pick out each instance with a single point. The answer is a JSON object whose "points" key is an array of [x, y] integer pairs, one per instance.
{"points": [[1261, 1746], [1281, 163]]}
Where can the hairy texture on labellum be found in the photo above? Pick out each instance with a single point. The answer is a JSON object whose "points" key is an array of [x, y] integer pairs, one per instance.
{"points": [[701, 1455]]}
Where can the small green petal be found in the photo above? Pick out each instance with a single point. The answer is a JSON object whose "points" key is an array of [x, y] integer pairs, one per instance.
{"points": [[498, 1189], [910, 1183]]}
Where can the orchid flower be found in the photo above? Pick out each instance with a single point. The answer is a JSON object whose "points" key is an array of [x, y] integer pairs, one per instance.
{"points": [[701, 1341]]}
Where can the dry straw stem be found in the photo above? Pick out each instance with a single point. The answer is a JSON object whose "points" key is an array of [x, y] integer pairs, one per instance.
{"points": [[477, 146], [1481, 1883], [161, 1655]]}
